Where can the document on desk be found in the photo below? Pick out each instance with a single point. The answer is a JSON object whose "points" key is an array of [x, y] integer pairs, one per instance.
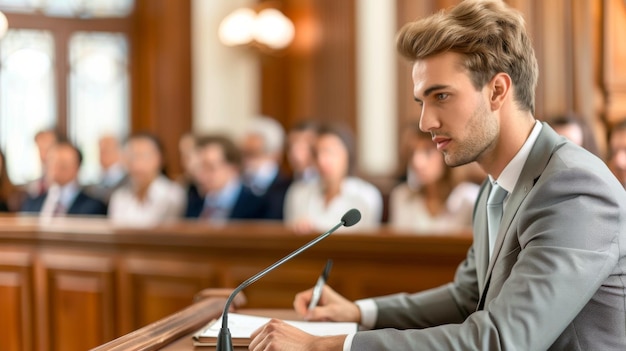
{"points": [[242, 326]]}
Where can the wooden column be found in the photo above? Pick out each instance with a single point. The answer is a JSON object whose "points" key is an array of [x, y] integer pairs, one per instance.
{"points": [[161, 69]]}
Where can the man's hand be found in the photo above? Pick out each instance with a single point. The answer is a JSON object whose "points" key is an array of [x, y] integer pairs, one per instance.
{"points": [[280, 336], [332, 307]]}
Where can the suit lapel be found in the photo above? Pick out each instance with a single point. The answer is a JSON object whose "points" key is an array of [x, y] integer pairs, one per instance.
{"points": [[481, 241], [540, 154]]}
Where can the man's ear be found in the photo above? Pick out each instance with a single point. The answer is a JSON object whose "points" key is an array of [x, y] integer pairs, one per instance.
{"points": [[500, 89]]}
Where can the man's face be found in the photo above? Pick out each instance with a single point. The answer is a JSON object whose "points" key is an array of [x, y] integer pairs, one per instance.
{"points": [[213, 172], [62, 164], [45, 141], [453, 111], [618, 154], [252, 150], [109, 152]]}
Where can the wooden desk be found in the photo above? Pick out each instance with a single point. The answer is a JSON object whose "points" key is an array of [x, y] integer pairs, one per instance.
{"points": [[174, 333], [73, 284]]}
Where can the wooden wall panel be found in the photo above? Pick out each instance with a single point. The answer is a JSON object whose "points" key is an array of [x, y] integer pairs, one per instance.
{"points": [[614, 74], [154, 287], [316, 76], [16, 297], [161, 70], [78, 288]]}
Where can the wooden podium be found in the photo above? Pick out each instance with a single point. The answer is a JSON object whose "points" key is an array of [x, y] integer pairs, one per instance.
{"points": [[174, 333], [71, 284]]}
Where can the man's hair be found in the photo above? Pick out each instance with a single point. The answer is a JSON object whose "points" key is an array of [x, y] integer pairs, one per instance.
{"points": [[270, 131], [230, 151], [66, 143], [489, 35]]}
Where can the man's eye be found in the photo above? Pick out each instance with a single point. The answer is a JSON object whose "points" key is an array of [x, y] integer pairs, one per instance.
{"points": [[441, 96]]}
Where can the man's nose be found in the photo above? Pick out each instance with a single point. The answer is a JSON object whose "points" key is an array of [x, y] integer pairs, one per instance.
{"points": [[428, 120]]}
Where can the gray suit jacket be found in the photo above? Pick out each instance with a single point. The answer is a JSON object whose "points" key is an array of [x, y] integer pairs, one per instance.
{"points": [[557, 278]]}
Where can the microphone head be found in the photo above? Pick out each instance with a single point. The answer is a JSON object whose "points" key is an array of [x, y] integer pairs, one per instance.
{"points": [[351, 217]]}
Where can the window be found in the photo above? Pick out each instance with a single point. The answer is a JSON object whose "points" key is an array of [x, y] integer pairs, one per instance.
{"points": [[27, 98], [63, 64]]}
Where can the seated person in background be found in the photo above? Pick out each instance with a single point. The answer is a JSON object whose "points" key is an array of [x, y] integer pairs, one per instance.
{"points": [[262, 150], [428, 202], [576, 129], [10, 197], [319, 204], [300, 143], [188, 161], [217, 174], [617, 151], [64, 196], [45, 140], [113, 172], [187, 153], [148, 197]]}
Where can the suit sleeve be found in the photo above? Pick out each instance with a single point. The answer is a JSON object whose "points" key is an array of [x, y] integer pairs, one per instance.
{"points": [[566, 245]]}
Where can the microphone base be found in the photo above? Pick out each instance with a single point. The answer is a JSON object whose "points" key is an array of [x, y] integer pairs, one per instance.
{"points": [[224, 340]]}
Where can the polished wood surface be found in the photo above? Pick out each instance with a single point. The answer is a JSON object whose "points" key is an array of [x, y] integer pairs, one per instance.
{"points": [[73, 284], [175, 332]]}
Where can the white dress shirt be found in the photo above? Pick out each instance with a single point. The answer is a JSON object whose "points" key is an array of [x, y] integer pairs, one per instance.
{"points": [[59, 199], [408, 210], [507, 180], [305, 201], [164, 201]]}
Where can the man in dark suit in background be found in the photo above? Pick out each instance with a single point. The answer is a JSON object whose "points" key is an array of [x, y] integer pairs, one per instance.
{"points": [[64, 196], [222, 196], [547, 266]]}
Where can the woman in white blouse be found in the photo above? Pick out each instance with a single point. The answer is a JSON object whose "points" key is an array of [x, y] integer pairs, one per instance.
{"points": [[148, 198], [428, 202], [317, 205]]}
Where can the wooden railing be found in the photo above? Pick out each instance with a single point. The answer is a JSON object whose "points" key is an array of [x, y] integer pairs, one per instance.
{"points": [[73, 284]]}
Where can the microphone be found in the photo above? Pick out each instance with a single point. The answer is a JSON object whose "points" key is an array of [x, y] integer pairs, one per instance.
{"points": [[224, 340]]}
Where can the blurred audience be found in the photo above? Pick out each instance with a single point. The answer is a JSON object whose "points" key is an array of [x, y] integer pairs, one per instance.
{"points": [[617, 151], [300, 144], [319, 204], [45, 140], [113, 171], [64, 195], [429, 202], [10, 197], [148, 197], [262, 150], [576, 129], [218, 176]]}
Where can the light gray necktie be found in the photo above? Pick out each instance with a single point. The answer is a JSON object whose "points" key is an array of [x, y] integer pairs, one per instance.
{"points": [[494, 213]]}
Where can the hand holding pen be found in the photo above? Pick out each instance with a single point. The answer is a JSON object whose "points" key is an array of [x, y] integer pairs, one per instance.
{"points": [[333, 307], [319, 285]]}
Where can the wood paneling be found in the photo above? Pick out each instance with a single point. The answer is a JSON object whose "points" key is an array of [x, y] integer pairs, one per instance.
{"points": [[16, 299], [79, 287], [156, 286], [316, 76], [161, 73], [615, 59], [93, 282]]}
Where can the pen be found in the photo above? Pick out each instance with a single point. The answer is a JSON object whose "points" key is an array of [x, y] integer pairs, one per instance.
{"points": [[317, 290]]}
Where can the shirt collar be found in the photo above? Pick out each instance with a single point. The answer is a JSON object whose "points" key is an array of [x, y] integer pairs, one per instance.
{"points": [[509, 176], [264, 176], [67, 193], [226, 197]]}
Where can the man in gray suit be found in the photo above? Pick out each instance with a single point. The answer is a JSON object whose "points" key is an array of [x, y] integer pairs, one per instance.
{"points": [[553, 276]]}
